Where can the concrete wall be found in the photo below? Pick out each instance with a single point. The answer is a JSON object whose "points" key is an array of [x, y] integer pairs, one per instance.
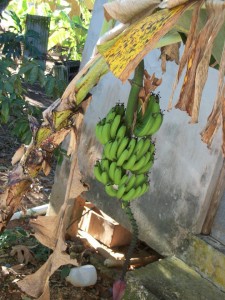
{"points": [[184, 172]]}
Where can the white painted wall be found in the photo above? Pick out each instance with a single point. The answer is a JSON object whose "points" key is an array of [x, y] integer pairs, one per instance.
{"points": [[184, 172]]}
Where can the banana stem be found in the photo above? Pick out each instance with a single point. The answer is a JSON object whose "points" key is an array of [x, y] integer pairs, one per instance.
{"points": [[134, 239], [136, 85]]}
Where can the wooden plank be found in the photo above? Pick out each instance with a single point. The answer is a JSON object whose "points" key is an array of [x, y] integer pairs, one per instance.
{"points": [[217, 196]]}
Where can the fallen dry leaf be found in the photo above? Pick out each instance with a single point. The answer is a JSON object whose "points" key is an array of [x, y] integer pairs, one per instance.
{"points": [[24, 255]]}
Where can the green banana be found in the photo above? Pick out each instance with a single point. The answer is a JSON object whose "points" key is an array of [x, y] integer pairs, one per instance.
{"points": [[105, 165], [113, 150], [145, 122], [106, 133], [106, 151], [121, 191], [146, 168], [98, 172], [117, 175], [129, 195], [151, 149], [140, 179], [123, 157], [105, 178], [131, 147], [144, 149], [112, 169], [111, 115], [157, 123], [144, 189], [121, 132], [137, 192], [122, 146], [139, 164], [130, 163], [131, 182], [98, 132], [110, 190], [143, 128], [139, 146], [114, 126], [124, 179]]}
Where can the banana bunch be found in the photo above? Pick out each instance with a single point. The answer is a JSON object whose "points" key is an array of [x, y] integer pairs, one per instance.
{"points": [[126, 160], [107, 128], [118, 183], [149, 123]]}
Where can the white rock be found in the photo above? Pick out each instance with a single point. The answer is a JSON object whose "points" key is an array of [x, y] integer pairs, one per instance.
{"points": [[82, 276]]}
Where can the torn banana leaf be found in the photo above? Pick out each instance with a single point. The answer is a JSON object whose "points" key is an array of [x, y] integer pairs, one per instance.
{"points": [[124, 53]]}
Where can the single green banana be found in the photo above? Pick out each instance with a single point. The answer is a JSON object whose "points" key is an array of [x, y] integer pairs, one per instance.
{"points": [[98, 172], [144, 149], [129, 195], [146, 168], [124, 179], [110, 190], [113, 150], [143, 128], [98, 132], [144, 123], [131, 147], [138, 164], [106, 133], [112, 169], [140, 179], [139, 145], [151, 149], [105, 165], [130, 184], [123, 157], [122, 146], [105, 178], [106, 151], [130, 163], [117, 175], [157, 123], [121, 132], [121, 191], [111, 115], [144, 189], [114, 126], [137, 192]]}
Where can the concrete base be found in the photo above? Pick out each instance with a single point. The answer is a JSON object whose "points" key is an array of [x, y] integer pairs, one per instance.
{"points": [[169, 279]]}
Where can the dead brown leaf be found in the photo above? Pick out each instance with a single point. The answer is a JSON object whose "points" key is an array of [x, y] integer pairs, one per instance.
{"points": [[46, 167], [24, 255], [45, 228], [18, 154], [188, 46], [126, 11], [198, 56], [214, 119], [169, 53], [171, 3]]}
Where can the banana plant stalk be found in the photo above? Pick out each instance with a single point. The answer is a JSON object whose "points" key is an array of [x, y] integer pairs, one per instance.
{"points": [[136, 85]]}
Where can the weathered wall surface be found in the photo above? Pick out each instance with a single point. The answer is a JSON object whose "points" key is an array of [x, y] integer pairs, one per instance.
{"points": [[184, 172]]}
